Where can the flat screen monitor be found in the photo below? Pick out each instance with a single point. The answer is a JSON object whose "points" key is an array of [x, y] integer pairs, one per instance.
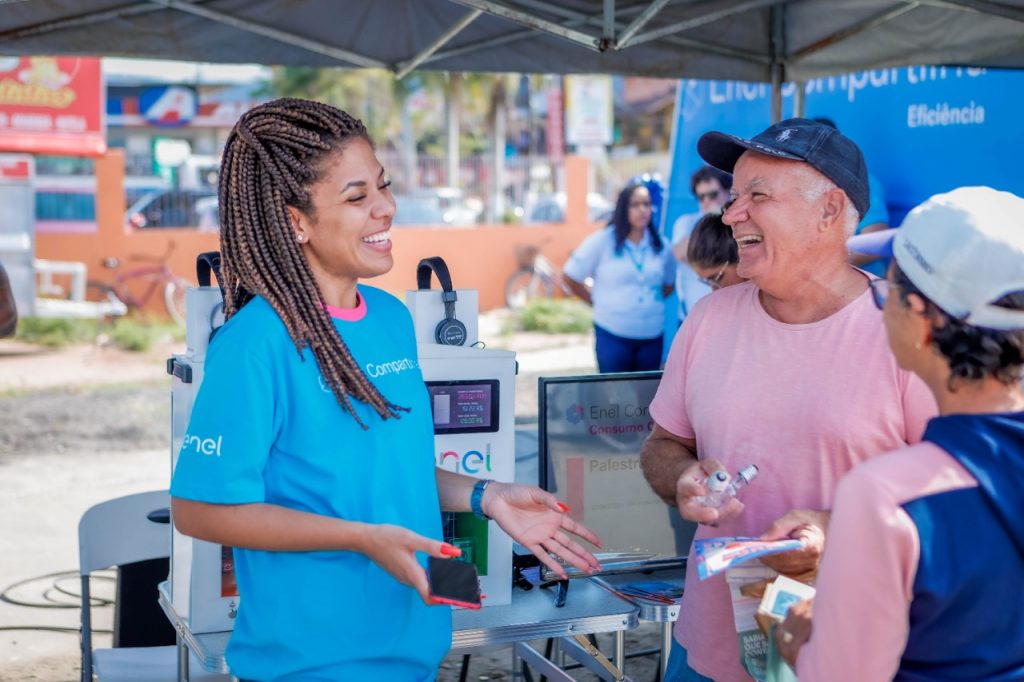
{"points": [[591, 431]]}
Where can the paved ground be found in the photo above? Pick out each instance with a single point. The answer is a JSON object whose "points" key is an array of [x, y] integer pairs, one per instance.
{"points": [[86, 424]]}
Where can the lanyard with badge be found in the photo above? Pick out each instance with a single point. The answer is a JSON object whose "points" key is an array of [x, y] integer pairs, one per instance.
{"points": [[638, 255]]}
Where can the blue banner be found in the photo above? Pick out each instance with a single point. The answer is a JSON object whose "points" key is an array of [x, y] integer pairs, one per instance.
{"points": [[922, 129]]}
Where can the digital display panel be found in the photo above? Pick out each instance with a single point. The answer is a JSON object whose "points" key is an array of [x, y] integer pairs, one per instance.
{"points": [[469, 406]]}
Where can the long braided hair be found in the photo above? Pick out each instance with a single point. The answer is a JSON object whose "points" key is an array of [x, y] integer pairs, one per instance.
{"points": [[272, 157]]}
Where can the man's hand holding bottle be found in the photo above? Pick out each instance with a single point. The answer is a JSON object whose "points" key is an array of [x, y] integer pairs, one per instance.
{"points": [[705, 493]]}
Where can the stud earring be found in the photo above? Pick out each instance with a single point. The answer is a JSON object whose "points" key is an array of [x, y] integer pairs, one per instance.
{"points": [[299, 238]]}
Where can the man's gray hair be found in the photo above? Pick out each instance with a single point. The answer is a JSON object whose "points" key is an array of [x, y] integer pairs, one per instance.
{"points": [[818, 187]]}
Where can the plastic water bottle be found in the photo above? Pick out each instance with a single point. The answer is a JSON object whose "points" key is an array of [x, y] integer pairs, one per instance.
{"points": [[721, 488]]}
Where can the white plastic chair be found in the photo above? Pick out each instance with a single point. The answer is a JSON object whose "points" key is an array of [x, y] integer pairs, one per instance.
{"points": [[118, 532]]}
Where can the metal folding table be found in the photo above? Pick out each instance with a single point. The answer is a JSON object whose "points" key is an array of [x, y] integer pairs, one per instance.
{"points": [[650, 611], [589, 609]]}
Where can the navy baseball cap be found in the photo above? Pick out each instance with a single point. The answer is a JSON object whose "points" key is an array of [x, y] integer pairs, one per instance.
{"points": [[798, 139]]}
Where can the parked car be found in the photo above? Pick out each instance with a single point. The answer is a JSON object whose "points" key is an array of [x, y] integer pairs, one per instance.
{"points": [[208, 214], [138, 186], [457, 209], [171, 208], [437, 206], [550, 208], [417, 209]]}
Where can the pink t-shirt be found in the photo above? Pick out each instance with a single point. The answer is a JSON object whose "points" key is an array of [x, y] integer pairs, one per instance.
{"points": [[866, 579], [804, 402]]}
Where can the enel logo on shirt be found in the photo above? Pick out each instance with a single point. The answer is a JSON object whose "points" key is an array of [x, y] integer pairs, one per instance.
{"points": [[203, 446]]}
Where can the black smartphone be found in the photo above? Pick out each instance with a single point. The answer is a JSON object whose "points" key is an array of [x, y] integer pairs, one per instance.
{"points": [[453, 582]]}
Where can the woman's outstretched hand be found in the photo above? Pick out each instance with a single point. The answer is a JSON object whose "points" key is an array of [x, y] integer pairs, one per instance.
{"points": [[394, 548], [538, 521]]}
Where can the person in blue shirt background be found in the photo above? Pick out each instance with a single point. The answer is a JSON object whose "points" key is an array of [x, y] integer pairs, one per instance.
{"points": [[710, 188], [310, 448], [632, 271]]}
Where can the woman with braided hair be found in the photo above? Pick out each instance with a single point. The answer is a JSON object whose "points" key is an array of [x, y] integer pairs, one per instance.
{"points": [[302, 452]]}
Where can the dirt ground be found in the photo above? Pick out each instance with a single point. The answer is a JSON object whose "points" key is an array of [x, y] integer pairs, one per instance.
{"points": [[87, 423]]}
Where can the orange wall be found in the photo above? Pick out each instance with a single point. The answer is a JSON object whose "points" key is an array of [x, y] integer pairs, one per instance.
{"points": [[479, 257]]}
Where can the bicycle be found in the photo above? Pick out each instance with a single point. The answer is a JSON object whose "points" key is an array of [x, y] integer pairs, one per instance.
{"points": [[153, 277], [536, 277], [533, 279]]}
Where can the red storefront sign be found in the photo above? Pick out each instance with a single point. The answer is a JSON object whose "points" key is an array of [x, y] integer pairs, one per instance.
{"points": [[14, 167], [52, 105]]}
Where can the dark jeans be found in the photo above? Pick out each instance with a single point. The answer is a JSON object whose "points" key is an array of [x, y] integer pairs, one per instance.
{"points": [[618, 354], [678, 666]]}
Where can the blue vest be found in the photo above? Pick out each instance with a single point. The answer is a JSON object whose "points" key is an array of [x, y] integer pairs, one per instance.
{"points": [[967, 613]]}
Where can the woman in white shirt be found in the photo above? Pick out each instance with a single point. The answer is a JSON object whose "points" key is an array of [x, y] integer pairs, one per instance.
{"points": [[633, 272]]}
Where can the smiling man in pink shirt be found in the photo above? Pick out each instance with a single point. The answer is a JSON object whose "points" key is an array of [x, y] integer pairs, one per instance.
{"points": [[789, 371]]}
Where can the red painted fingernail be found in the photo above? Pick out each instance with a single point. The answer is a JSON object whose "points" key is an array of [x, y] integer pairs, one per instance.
{"points": [[450, 550], [563, 507]]}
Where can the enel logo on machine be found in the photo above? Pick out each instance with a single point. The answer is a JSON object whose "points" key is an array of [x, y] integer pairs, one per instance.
{"points": [[469, 462]]}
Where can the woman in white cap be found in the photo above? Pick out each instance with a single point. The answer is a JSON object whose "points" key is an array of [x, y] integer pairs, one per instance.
{"points": [[922, 576]]}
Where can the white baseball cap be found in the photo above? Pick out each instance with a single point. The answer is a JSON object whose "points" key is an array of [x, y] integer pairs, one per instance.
{"points": [[964, 250]]}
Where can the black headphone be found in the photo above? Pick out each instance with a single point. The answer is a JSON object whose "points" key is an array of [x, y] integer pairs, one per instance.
{"points": [[206, 264], [449, 331]]}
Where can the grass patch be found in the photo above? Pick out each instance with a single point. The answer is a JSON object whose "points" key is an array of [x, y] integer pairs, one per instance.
{"points": [[56, 332], [129, 333], [553, 316], [138, 335]]}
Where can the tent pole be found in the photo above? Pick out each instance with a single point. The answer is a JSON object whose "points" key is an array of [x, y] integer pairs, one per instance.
{"points": [[800, 99], [441, 41], [627, 35], [776, 93], [778, 48], [529, 20], [701, 20], [573, 19], [608, 29], [273, 33]]}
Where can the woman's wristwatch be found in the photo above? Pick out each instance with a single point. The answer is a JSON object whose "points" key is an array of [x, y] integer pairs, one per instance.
{"points": [[477, 496]]}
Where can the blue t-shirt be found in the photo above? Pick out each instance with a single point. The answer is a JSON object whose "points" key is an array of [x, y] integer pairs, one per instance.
{"points": [[878, 212], [689, 288], [628, 286], [281, 437]]}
